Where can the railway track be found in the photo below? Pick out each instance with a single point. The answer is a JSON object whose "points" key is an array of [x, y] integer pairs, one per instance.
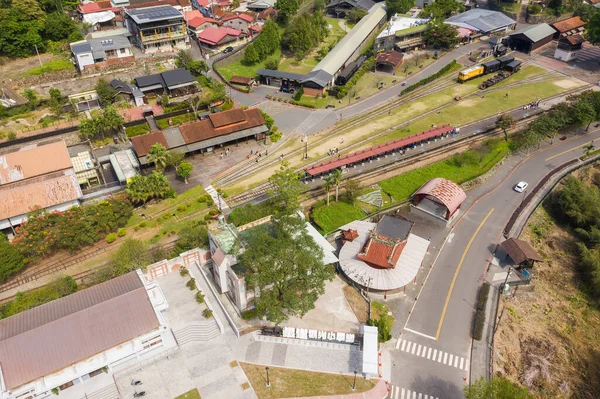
{"points": [[260, 190], [252, 167]]}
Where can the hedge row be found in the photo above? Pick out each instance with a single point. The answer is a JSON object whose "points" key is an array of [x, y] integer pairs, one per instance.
{"points": [[368, 65], [431, 78], [480, 312]]}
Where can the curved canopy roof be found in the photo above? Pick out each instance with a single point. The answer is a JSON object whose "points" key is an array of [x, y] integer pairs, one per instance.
{"points": [[445, 191]]}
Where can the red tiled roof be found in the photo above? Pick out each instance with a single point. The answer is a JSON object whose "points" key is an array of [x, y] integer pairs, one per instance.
{"points": [[189, 15], [90, 8], [245, 17], [574, 39], [376, 150], [350, 235], [450, 194], [568, 24], [220, 124], [213, 36], [255, 28], [142, 143], [381, 251], [392, 57], [197, 21], [25, 164]]}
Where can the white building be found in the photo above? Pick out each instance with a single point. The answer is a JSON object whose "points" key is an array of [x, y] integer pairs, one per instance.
{"points": [[102, 50], [569, 47], [72, 345]]}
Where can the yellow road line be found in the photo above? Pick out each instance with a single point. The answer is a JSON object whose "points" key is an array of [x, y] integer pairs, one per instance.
{"points": [[437, 335], [564, 152]]}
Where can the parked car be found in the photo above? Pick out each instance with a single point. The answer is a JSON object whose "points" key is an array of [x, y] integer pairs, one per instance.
{"points": [[521, 186], [228, 50]]}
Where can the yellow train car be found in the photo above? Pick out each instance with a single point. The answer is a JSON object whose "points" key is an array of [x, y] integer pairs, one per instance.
{"points": [[470, 73]]}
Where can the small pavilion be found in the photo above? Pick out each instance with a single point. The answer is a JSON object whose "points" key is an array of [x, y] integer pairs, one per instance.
{"points": [[521, 252]]}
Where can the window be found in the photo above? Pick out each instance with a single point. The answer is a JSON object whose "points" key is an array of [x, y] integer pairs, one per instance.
{"points": [[95, 373], [26, 395], [123, 50], [150, 342], [66, 385]]}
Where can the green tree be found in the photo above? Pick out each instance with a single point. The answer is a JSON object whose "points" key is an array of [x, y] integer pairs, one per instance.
{"points": [[106, 94], [186, 60], [357, 13], [272, 64], [285, 189], [12, 260], [285, 269], [56, 101], [337, 178], [353, 189], [58, 26], [505, 122], [398, 6], [32, 98], [141, 189], [132, 254], [251, 55], [441, 9], [192, 235], [108, 121], [184, 169], [305, 33], [584, 113], [497, 388], [158, 156], [319, 5], [441, 35], [328, 185], [174, 158], [592, 33], [585, 11], [287, 9], [91, 128], [235, 4], [112, 120], [22, 26]]}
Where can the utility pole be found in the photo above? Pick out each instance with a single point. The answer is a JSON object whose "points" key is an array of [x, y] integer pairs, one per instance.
{"points": [[38, 55], [305, 147]]}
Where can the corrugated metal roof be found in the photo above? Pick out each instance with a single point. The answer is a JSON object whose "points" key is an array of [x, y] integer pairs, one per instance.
{"points": [[25, 162], [46, 339], [447, 192], [520, 250], [337, 57], [481, 20], [568, 24], [536, 33]]}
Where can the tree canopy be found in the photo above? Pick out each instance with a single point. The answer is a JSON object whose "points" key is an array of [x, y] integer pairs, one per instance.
{"points": [[105, 92], [285, 190], [267, 42], [441, 35], [108, 121], [186, 60], [12, 260], [184, 169], [287, 9], [192, 235], [398, 6], [157, 154], [441, 9], [141, 189], [305, 33], [285, 269]]}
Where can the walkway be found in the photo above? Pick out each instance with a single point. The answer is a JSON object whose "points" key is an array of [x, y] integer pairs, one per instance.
{"points": [[152, 123], [219, 201]]}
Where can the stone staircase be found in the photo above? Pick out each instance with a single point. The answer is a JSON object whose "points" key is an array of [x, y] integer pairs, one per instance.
{"points": [[198, 331], [213, 193], [108, 392]]}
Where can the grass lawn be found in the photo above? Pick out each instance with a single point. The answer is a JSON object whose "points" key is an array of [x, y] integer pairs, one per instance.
{"points": [[50, 66], [193, 394], [509, 6], [288, 383], [381, 311], [240, 69], [137, 130], [177, 120], [458, 168], [329, 218], [171, 204], [304, 66], [413, 68]]}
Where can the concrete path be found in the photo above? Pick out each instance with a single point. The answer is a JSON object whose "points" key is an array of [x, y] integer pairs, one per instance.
{"points": [[219, 201]]}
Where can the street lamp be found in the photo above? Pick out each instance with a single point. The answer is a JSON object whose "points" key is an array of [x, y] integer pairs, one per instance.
{"points": [[268, 382], [354, 385], [305, 146]]}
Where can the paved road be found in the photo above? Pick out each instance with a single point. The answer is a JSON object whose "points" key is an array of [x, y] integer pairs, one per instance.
{"points": [[442, 316]]}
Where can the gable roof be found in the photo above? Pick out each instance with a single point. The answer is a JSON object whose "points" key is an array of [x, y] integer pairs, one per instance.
{"points": [[446, 191], [143, 142], [391, 57], [26, 163], [221, 123], [215, 35], [50, 337], [568, 24], [97, 6], [574, 39], [244, 17], [109, 43], [80, 47], [481, 20], [197, 21], [151, 14], [177, 77], [149, 80], [364, 4], [535, 33], [520, 251]]}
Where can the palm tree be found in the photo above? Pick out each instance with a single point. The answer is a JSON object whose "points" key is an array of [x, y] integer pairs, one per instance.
{"points": [[337, 180], [158, 155], [328, 184]]}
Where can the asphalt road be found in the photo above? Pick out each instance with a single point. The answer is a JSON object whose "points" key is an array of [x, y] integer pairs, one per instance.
{"points": [[442, 316]]}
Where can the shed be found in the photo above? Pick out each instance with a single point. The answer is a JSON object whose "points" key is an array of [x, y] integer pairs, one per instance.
{"points": [[389, 61], [521, 252], [439, 197], [531, 38], [242, 80], [568, 27]]}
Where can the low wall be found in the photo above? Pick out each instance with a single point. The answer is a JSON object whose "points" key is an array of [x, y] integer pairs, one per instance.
{"points": [[540, 19], [113, 61]]}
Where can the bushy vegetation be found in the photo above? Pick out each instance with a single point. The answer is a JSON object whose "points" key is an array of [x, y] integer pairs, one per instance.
{"points": [[480, 311], [577, 205], [132, 254], [458, 168], [12, 260], [267, 42], [329, 218], [192, 235], [367, 66], [382, 320], [186, 60], [44, 233], [452, 65], [497, 388], [142, 189], [23, 301], [137, 130], [305, 33], [248, 213]]}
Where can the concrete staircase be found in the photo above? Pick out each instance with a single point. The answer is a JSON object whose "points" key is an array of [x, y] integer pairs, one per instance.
{"points": [[198, 331], [213, 193], [108, 392]]}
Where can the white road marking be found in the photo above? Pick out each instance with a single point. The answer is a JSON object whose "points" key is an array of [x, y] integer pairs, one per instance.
{"points": [[403, 344], [440, 357], [397, 393], [403, 392], [450, 360], [456, 361], [445, 357], [414, 348], [461, 363], [419, 333], [419, 351], [429, 354]]}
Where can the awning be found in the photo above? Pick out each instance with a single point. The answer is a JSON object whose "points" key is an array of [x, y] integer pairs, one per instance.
{"points": [[370, 351]]}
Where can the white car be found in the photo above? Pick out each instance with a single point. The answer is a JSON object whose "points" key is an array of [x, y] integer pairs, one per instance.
{"points": [[521, 186]]}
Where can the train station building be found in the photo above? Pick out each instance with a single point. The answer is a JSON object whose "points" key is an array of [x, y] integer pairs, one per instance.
{"points": [[383, 256]]}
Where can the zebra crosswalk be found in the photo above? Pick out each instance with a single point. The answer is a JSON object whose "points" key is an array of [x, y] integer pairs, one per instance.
{"points": [[403, 393], [432, 354]]}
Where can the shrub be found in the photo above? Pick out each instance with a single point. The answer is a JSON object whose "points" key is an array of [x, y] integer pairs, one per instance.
{"points": [[142, 224], [534, 9], [449, 67], [121, 232], [55, 391], [181, 208], [299, 94], [383, 331], [272, 64], [110, 238], [213, 212], [480, 312], [248, 213], [249, 314], [199, 297], [222, 193], [191, 284], [137, 130], [77, 227], [12, 136], [207, 313], [12, 260], [184, 272], [276, 136], [28, 300]]}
